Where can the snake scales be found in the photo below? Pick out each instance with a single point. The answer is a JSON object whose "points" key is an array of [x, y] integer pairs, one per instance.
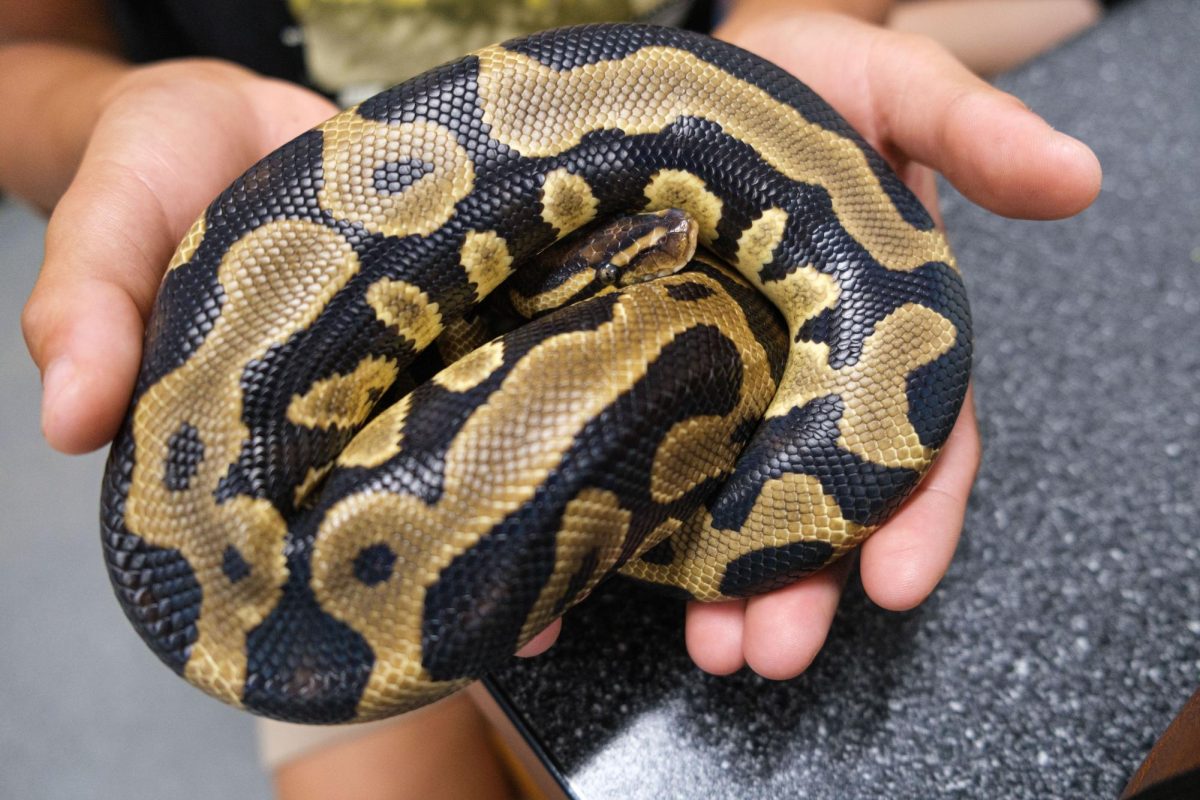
{"points": [[293, 533]]}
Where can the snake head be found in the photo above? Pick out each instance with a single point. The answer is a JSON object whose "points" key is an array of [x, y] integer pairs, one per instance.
{"points": [[604, 257]]}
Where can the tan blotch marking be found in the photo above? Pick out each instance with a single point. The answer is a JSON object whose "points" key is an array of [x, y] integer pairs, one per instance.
{"points": [[804, 292], [702, 448], [407, 308], [388, 614], [791, 508], [382, 439], [492, 467], [675, 188], [355, 147], [472, 369], [487, 261], [807, 376], [875, 424], [756, 247], [313, 477], [276, 279], [461, 337], [801, 294], [343, 401], [592, 522], [699, 444], [191, 241], [541, 111], [567, 201]]}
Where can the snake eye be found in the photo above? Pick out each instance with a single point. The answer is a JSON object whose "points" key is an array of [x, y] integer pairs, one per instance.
{"points": [[608, 274]]}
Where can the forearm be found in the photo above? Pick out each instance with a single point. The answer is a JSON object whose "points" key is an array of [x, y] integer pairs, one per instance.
{"points": [[51, 95]]}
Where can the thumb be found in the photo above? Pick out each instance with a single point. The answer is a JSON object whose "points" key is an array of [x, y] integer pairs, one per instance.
{"points": [[106, 246], [161, 150]]}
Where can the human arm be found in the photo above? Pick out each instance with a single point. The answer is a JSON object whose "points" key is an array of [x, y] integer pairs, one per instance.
{"points": [[58, 59]]}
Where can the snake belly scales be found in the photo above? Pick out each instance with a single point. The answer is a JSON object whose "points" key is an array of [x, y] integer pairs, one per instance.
{"points": [[290, 546]]}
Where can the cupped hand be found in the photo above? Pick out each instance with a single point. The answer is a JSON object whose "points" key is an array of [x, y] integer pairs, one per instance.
{"points": [[170, 137], [924, 112]]}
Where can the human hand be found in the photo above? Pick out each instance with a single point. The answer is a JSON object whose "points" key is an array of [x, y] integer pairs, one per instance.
{"points": [[923, 111], [170, 137]]}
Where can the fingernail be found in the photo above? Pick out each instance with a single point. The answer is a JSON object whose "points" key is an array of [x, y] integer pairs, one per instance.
{"points": [[1069, 142], [56, 380], [1080, 155], [1084, 149]]}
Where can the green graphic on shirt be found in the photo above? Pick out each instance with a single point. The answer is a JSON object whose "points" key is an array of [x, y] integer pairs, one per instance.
{"points": [[356, 47]]}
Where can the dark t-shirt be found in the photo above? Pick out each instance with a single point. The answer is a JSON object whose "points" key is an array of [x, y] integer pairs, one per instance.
{"points": [[250, 32], [260, 34]]}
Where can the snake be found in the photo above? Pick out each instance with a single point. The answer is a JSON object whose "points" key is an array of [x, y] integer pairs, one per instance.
{"points": [[333, 500]]}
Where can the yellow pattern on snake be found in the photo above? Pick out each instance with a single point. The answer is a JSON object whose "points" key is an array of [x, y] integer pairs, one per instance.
{"points": [[313, 514]]}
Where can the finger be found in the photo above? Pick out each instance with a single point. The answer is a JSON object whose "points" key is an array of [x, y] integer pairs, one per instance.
{"points": [[83, 322], [986, 142], [904, 560], [542, 641], [923, 182], [786, 628], [90, 339], [713, 632]]}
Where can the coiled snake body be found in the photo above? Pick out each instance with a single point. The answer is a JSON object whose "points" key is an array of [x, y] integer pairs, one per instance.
{"points": [[295, 534]]}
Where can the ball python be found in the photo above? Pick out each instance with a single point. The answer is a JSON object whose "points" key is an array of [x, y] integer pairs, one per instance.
{"points": [[294, 534]]}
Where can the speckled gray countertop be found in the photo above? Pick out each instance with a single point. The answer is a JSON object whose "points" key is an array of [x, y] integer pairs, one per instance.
{"points": [[1067, 632]]}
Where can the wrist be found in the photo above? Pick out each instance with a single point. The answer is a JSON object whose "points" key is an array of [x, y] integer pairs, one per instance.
{"points": [[756, 21], [766, 12]]}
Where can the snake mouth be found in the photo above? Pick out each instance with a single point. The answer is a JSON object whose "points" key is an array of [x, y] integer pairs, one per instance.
{"points": [[656, 274], [659, 244]]}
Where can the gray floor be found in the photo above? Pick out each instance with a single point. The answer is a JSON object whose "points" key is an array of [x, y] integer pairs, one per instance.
{"points": [[87, 710]]}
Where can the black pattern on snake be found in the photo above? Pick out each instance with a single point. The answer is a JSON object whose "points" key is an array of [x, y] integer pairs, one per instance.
{"points": [[289, 546]]}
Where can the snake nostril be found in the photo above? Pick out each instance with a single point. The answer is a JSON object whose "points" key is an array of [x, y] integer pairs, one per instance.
{"points": [[373, 565]]}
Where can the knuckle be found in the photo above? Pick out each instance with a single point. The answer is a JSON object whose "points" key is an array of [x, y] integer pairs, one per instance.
{"points": [[36, 320]]}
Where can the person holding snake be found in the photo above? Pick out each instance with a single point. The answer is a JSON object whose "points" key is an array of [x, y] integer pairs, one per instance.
{"points": [[92, 301]]}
